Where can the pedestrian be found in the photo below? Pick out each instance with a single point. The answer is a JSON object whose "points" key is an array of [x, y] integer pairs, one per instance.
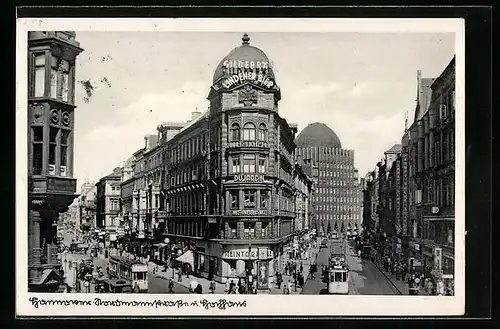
{"points": [[279, 279], [179, 275], [285, 290], [198, 289], [233, 290], [212, 286], [231, 287], [289, 286], [170, 286], [301, 267]]}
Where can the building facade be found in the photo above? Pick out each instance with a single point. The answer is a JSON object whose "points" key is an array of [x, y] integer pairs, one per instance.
{"points": [[87, 206], [51, 186], [230, 176], [431, 151], [108, 204], [338, 197]]}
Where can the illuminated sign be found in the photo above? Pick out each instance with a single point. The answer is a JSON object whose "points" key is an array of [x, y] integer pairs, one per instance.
{"points": [[248, 178], [248, 212], [248, 144], [254, 253], [246, 65]]}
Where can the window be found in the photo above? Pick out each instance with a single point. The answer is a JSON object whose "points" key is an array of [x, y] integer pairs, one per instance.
{"points": [[52, 149], [39, 75], [234, 199], [249, 132], [249, 229], [249, 163], [263, 199], [232, 229], [262, 164], [236, 166], [37, 150], [235, 132], [64, 151], [262, 132], [249, 199]]}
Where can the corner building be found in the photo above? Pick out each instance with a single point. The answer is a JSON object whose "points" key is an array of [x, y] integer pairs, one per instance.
{"points": [[51, 121], [231, 176], [338, 198]]}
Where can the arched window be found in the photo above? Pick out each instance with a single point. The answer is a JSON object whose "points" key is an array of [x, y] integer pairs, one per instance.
{"points": [[235, 132], [249, 132], [262, 132]]}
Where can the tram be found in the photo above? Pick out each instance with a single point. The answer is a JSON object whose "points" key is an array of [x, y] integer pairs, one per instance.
{"points": [[338, 272], [134, 272]]}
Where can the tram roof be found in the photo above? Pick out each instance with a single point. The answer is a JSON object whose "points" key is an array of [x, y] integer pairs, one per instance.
{"points": [[125, 260]]}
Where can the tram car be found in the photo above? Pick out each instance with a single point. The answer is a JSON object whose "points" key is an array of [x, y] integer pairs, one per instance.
{"points": [[338, 273]]}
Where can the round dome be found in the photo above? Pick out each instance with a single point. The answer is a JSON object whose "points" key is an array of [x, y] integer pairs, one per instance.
{"points": [[318, 134], [243, 53]]}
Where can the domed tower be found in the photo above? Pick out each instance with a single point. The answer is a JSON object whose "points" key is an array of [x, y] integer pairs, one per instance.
{"points": [[244, 78], [250, 197], [337, 199]]}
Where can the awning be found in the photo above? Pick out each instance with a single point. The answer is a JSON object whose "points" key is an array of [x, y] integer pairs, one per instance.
{"points": [[187, 257], [438, 218]]}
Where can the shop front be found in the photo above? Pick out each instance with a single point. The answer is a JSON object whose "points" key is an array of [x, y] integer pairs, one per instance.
{"points": [[232, 262]]}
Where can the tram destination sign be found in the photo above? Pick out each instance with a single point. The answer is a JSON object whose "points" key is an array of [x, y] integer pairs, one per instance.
{"points": [[248, 178]]}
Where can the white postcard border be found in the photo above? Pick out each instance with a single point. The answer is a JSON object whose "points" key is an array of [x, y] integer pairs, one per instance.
{"points": [[290, 305]]}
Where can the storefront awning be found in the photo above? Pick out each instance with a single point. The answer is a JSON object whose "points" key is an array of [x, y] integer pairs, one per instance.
{"points": [[187, 257], [439, 218]]}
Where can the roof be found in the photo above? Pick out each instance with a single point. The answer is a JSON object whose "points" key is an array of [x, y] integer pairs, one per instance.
{"points": [[396, 148], [199, 118], [117, 173], [423, 97], [245, 52], [318, 134]]}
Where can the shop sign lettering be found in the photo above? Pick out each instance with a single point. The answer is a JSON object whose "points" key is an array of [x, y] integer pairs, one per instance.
{"points": [[248, 212], [248, 144], [254, 253], [248, 178], [259, 79]]}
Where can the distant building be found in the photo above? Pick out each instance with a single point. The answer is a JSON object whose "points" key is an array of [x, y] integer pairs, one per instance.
{"points": [[337, 196], [108, 202]]}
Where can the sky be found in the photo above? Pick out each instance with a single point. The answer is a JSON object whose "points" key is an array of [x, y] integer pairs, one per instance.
{"points": [[359, 84]]}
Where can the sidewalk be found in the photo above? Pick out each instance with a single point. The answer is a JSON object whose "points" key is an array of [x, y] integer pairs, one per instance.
{"points": [[400, 285], [220, 288], [306, 263]]}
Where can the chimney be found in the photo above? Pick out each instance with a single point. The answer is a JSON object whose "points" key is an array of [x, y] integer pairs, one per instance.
{"points": [[195, 115]]}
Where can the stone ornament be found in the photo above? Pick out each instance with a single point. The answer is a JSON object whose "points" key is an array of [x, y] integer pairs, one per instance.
{"points": [[37, 113], [248, 96], [66, 118], [54, 116]]}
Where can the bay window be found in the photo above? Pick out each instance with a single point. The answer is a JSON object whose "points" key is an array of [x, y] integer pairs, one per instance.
{"points": [[249, 132], [249, 199], [249, 229], [249, 163], [264, 197], [262, 132], [39, 75], [234, 199], [37, 150], [52, 150], [262, 164], [235, 132], [236, 168]]}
